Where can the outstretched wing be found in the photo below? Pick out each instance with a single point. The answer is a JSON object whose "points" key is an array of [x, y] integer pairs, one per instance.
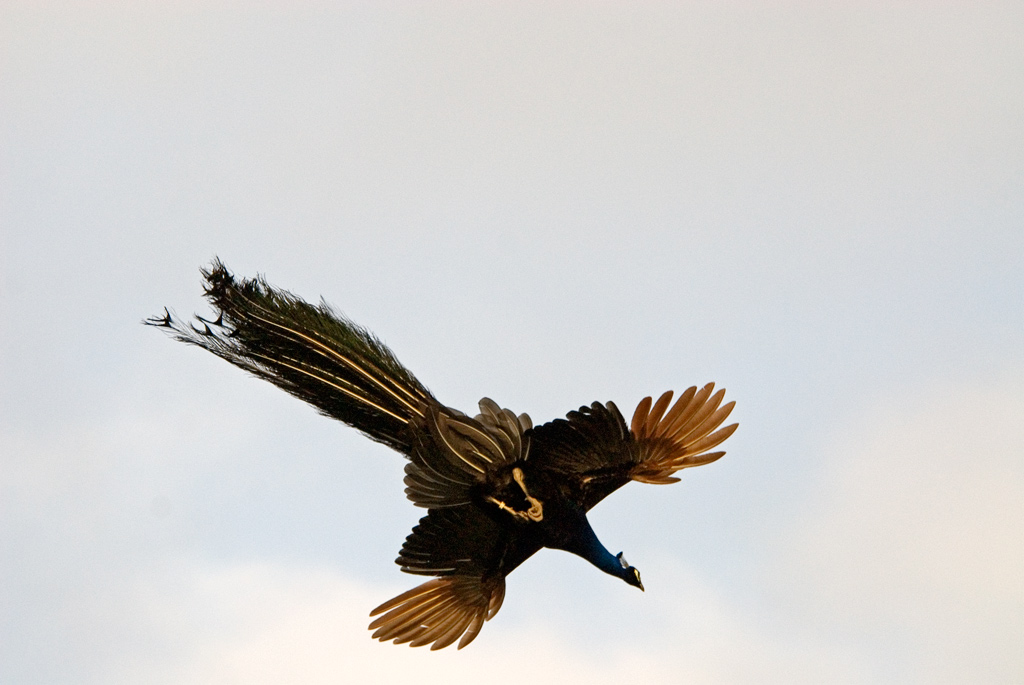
{"points": [[439, 611], [680, 438], [466, 548], [595, 451]]}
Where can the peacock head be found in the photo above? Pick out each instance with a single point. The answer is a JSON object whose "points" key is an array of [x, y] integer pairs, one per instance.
{"points": [[629, 574]]}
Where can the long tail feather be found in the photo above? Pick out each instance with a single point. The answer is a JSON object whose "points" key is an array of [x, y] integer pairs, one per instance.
{"points": [[310, 351]]}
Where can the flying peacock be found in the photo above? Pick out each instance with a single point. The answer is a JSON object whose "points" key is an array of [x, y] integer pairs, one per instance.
{"points": [[496, 488]]}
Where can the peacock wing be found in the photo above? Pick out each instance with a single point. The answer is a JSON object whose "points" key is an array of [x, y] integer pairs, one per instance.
{"points": [[595, 451], [669, 440], [465, 547], [461, 540], [439, 612], [590, 452]]}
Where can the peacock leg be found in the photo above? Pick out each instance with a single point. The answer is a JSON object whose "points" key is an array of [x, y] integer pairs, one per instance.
{"points": [[536, 510]]}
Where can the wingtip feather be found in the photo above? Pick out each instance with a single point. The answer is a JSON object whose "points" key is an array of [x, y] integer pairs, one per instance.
{"points": [[439, 612], [681, 437], [640, 415]]}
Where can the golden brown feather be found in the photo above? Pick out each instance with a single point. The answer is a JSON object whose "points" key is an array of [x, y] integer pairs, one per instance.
{"points": [[439, 611], [680, 438]]}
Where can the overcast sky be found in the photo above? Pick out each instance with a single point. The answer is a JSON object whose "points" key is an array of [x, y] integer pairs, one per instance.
{"points": [[818, 207]]}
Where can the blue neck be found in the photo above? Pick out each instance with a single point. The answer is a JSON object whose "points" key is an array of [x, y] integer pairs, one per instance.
{"points": [[584, 543], [605, 560]]}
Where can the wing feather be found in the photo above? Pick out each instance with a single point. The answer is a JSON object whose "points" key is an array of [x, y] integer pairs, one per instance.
{"points": [[706, 409], [676, 412], [640, 416], [439, 611], [657, 411], [593, 449], [685, 441]]}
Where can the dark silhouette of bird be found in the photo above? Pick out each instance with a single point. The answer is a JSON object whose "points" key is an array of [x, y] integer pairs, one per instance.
{"points": [[497, 489]]}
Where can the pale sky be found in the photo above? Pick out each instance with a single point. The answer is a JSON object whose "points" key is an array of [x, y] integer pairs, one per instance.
{"points": [[820, 207]]}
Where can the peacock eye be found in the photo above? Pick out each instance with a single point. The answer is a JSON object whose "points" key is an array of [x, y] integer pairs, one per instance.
{"points": [[622, 560]]}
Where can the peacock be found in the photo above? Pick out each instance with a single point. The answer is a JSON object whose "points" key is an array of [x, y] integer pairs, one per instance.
{"points": [[496, 488]]}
